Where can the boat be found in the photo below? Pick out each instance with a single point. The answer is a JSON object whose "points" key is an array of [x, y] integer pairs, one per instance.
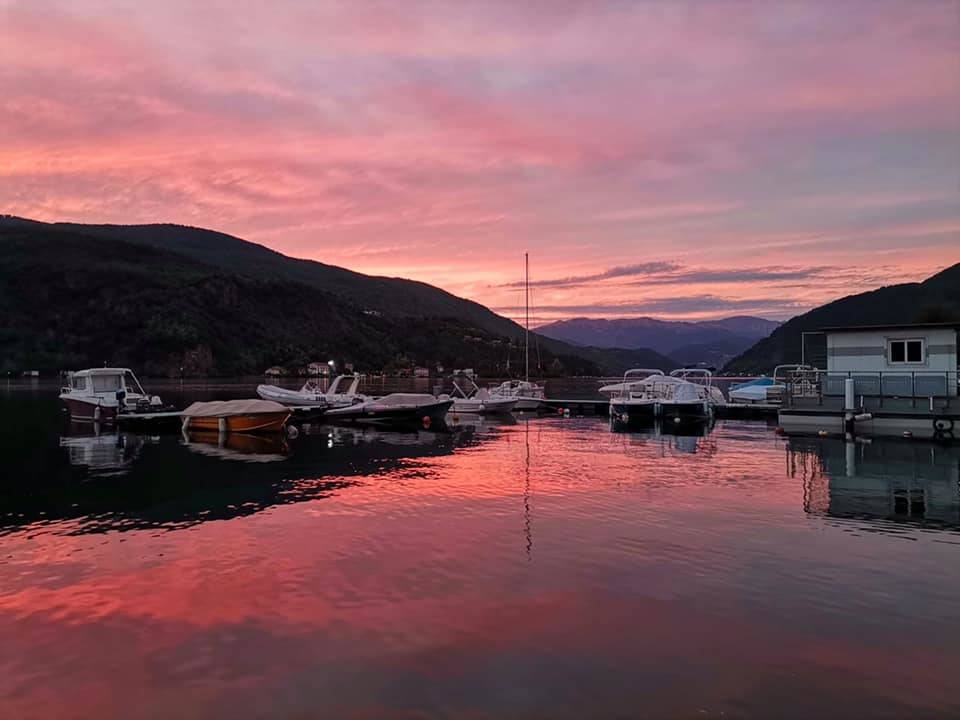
{"points": [[100, 394], [702, 378], [765, 389], [243, 416], [395, 408], [311, 394], [477, 400], [613, 390], [667, 398], [528, 395]]}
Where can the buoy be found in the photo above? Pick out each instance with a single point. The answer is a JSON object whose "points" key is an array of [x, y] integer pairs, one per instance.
{"points": [[426, 421]]}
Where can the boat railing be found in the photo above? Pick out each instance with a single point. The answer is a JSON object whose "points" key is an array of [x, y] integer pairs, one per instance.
{"points": [[626, 386], [702, 376], [874, 388]]}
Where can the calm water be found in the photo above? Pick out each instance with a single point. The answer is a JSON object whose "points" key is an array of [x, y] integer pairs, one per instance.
{"points": [[543, 568]]}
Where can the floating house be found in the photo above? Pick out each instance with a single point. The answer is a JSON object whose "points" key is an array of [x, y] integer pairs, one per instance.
{"points": [[880, 379]]}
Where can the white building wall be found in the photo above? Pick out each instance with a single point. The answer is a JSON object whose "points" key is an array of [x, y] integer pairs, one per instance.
{"points": [[867, 351]]}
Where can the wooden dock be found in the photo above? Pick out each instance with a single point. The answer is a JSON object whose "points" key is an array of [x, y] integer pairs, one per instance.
{"points": [[746, 411], [171, 418]]}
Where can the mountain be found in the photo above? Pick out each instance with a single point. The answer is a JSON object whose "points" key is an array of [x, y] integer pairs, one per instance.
{"points": [[935, 299], [711, 341], [75, 295]]}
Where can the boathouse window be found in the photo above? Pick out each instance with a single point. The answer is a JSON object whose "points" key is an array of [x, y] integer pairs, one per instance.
{"points": [[905, 351]]}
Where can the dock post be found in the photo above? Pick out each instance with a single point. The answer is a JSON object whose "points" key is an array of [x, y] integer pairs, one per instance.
{"points": [[849, 403]]}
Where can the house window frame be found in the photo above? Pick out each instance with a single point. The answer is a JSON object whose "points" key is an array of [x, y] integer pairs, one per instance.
{"points": [[906, 343]]}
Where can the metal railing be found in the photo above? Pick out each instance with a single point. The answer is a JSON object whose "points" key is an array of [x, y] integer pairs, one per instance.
{"points": [[918, 387]]}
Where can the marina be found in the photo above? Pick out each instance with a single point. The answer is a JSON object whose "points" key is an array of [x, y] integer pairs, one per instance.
{"points": [[482, 544]]}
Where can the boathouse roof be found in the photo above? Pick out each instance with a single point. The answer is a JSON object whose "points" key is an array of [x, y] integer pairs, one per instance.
{"points": [[901, 326]]}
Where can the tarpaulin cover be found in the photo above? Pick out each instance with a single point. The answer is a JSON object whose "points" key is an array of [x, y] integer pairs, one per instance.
{"points": [[226, 408]]}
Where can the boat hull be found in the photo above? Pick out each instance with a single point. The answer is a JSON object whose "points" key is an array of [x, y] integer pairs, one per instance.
{"points": [[483, 407], [692, 412], [271, 422], [87, 411], [290, 397], [635, 414], [386, 415]]}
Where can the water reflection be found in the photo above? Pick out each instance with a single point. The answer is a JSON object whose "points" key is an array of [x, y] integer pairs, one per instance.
{"points": [[889, 482], [430, 570], [101, 453], [238, 446], [688, 438], [125, 481]]}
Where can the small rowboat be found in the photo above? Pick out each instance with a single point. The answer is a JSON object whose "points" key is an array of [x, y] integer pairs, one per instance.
{"points": [[242, 416]]}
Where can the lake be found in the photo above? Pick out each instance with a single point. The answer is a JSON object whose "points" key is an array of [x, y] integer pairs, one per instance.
{"points": [[545, 567]]}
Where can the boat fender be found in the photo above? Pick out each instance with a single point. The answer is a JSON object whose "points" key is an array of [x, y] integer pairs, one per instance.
{"points": [[863, 416], [676, 421], [292, 432], [566, 412], [222, 424], [426, 422], [907, 434], [823, 433], [96, 414], [559, 411]]}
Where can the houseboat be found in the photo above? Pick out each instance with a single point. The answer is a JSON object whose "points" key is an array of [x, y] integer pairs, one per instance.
{"points": [[100, 394], [880, 380]]}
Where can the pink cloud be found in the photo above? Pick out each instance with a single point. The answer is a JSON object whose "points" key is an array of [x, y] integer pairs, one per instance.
{"points": [[378, 137]]}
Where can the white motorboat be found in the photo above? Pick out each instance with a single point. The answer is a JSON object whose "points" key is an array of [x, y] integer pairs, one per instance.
{"points": [[672, 398], [395, 408], [476, 400], [100, 394], [528, 395], [311, 394], [702, 378], [613, 390]]}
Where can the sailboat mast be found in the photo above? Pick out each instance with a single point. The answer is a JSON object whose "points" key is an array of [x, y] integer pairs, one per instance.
{"points": [[526, 335]]}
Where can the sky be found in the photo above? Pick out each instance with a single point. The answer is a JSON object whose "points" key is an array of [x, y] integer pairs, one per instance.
{"points": [[681, 160]]}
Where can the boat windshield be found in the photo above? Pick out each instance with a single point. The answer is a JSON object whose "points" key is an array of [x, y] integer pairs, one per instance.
{"points": [[105, 383], [132, 383]]}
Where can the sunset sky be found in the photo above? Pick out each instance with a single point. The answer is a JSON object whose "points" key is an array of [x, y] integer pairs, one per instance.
{"points": [[681, 160]]}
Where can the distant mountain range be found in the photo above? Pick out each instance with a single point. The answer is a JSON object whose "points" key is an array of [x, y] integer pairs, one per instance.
{"points": [[936, 299], [712, 342], [164, 297]]}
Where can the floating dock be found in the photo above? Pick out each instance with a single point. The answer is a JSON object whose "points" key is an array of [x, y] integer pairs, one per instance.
{"points": [[594, 406]]}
